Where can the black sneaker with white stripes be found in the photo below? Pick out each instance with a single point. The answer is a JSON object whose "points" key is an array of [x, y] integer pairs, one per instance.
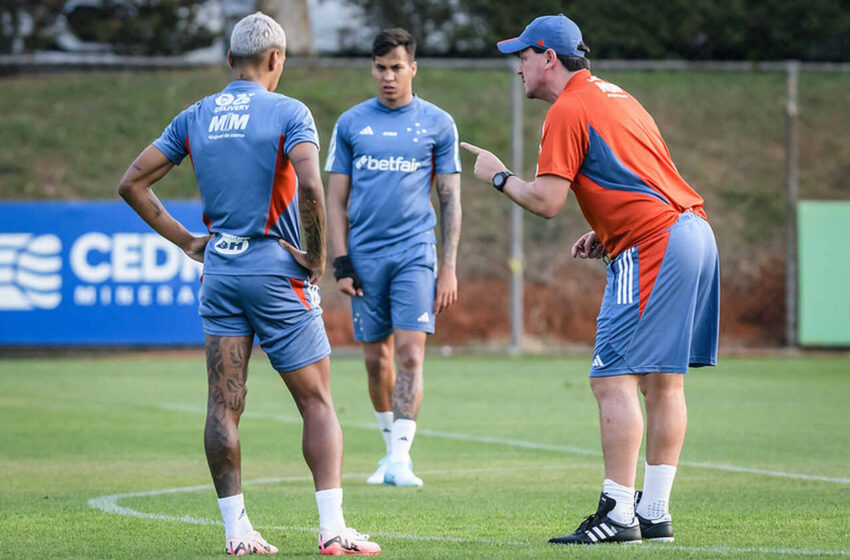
{"points": [[656, 530], [599, 528]]}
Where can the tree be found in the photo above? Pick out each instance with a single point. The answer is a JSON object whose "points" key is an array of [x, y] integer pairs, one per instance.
{"points": [[24, 24], [431, 22], [689, 29], [147, 27], [645, 29]]}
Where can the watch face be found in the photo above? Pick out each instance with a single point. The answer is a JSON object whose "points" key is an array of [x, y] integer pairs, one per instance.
{"points": [[499, 179]]}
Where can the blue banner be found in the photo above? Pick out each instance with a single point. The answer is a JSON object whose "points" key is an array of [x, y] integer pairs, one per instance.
{"points": [[93, 273]]}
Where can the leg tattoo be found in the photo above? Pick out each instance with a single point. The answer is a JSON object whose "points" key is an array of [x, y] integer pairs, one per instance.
{"points": [[225, 403], [407, 394]]}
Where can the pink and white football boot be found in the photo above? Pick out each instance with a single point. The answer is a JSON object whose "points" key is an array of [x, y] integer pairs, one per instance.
{"points": [[249, 544], [346, 541]]}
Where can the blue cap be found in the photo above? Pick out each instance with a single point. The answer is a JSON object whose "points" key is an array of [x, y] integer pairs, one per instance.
{"points": [[558, 33]]}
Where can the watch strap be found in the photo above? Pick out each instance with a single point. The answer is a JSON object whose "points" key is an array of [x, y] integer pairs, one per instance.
{"points": [[500, 179]]}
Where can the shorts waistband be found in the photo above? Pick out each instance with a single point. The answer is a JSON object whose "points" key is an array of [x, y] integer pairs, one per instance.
{"points": [[686, 215]]}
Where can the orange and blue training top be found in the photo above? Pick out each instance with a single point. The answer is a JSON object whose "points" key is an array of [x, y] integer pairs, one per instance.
{"points": [[602, 140]]}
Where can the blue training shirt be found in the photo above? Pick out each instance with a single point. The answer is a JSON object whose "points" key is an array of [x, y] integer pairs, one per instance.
{"points": [[391, 156], [239, 140]]}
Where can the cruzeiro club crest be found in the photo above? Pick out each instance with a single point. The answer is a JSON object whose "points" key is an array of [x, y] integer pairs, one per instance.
{"points": [[30, 271]]}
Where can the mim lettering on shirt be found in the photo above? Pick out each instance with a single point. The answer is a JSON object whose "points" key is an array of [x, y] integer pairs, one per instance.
{"points": [[228, 121], [397, 163]]}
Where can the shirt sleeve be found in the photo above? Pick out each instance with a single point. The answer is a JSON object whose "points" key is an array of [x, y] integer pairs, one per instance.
{"points": [[299, 128], [174, 141], [564, 143], [339, 152], [446, 151]]}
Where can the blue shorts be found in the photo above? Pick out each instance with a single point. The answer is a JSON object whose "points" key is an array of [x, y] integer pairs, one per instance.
{"points": [[398, 292], [661, 308], [283, 312]]}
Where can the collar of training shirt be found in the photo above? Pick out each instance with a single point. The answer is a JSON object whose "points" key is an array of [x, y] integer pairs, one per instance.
{"points": [[576, 81], [403, 109], [244, 85]]}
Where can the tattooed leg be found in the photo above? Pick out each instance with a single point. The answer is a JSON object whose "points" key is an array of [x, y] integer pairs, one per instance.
{"points": [[227, 372], [321, 439], [407, 391]]}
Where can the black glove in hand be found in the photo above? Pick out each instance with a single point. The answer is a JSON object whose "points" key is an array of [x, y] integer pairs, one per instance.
{"points": [[344, 269]]}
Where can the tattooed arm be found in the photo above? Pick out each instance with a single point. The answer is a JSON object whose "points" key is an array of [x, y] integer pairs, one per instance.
{"points": [[448, 191], [311, 201], [135, 188]]}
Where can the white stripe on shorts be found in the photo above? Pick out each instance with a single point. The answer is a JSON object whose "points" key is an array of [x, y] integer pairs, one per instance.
{"points": [[618, 283], [624, 268]]}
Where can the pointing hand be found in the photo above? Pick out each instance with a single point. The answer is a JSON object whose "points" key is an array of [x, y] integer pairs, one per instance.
{"points": [[486, 164]]}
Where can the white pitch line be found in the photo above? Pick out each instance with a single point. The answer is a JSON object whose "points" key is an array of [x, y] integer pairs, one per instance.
{"points": [[109, 504], [528, 445], [656, 548], [779, 474]]}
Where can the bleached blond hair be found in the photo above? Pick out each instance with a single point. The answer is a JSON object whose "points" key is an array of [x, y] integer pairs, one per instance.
{"points": [[254, 34]]}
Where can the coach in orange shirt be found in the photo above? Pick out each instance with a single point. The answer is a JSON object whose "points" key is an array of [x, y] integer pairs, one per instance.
{"points": [[660, 310]]}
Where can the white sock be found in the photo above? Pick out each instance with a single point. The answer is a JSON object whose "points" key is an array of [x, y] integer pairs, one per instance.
{"points": [[236, 523], [329, 503], [624, 512], [657, 484], [385, 424], [402, 434]]}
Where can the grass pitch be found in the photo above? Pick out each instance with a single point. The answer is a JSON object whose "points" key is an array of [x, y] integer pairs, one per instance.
{"points": [[103, 458]]}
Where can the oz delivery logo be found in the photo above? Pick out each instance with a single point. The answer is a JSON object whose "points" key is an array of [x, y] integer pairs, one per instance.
{"points": [[121, 269]]}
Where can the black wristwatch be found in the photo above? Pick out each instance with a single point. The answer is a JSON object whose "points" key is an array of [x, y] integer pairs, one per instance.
{"points": [[499, 180]]}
